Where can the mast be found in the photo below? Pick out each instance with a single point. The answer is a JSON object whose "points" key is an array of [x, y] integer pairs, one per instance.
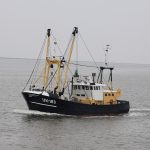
{"points": [[106, 55], [110, 78], [46, 67], [100, 76], [75, 31], [49, 62]]}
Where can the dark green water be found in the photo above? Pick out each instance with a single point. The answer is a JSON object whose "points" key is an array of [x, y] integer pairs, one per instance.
{"points": [[23, 129]]}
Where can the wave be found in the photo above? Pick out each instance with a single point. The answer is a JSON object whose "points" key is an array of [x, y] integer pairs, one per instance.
{"points": [[134, 112], [140, 110], [34, 112]]}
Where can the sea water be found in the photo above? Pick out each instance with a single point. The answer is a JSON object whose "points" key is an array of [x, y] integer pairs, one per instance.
{"points": [[23, 129]]}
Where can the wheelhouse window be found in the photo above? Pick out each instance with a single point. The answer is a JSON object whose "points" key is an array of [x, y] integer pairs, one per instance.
{"points": [[105, 94], [79, 87], [83, 87], [91, 87], [75, 87], [87, 87]]}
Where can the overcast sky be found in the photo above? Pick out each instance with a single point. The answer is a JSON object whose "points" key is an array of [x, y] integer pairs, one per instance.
{"points": [[124, 24]]}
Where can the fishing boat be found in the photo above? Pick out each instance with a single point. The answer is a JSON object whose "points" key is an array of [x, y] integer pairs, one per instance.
{"points": [[76, 94]]}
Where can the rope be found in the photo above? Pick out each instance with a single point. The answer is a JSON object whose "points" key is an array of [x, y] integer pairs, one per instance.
{"points": [[51, 79], [77, 52], [36, 64], [68, 46], [83, 65], [88, 51], [57, 44], [93, 60]]}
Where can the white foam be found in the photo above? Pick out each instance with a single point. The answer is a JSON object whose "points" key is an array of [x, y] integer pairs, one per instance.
{"points": [[134, 112], [33, 112], [137, 114], [100, 116], [140, 110]]}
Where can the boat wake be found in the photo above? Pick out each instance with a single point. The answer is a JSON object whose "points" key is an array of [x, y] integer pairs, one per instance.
{"points": [[138, 112], [134, 112], [37, 113]]}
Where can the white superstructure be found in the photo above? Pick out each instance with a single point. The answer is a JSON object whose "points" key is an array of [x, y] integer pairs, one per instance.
{"points": [[86, 88]]}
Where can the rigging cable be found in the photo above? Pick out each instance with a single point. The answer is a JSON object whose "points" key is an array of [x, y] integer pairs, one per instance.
{"points": [[51, 79], [67, 46], [57, 44], [92, 58], [77, 52], [36, 64], [88, 50], [82, 65]]}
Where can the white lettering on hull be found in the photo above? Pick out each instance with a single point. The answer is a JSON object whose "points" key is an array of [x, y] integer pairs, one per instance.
{"points": [[43, 104], [49, 101]]}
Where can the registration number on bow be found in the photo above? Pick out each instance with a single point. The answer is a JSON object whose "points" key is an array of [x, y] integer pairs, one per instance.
{"points": [[49, 101]]}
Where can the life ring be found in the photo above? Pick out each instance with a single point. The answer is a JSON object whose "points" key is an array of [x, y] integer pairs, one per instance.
{"points": [[111, 101]]}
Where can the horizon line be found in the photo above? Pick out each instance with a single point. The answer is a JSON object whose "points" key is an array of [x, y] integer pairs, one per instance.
{"points": [[80, 61]]}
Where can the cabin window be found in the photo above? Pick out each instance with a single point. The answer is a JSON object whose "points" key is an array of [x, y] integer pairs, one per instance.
{"points": [[78, 94], [82, 94], [91, 88], [109, 94], [105, 94], [87, 88], [83, 87], [96, 87], [112, 94], [75, 87], [79, 87]]}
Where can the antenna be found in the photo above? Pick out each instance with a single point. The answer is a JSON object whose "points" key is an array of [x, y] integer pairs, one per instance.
{"points": [[106, 54]]}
